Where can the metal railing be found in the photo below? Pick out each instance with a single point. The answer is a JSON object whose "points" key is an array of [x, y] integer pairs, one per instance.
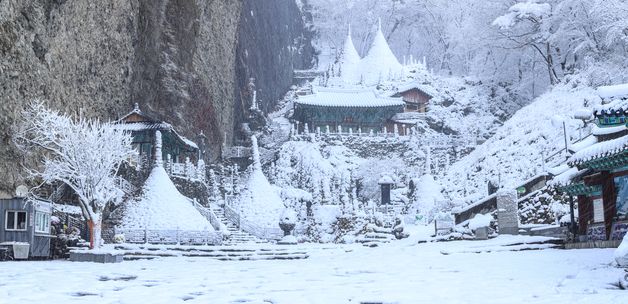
{"points": [[250, 227], [211, 217]]}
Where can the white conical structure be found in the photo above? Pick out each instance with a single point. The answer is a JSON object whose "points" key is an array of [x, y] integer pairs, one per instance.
{"points": [[260, 203], [379, 62], [349, 61]]}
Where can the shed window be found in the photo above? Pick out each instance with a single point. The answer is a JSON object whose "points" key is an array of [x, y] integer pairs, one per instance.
{"points": [[15, 220], [42, 222]]}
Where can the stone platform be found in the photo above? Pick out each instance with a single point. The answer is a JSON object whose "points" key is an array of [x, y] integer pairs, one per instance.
{"points": [[95, 257]]}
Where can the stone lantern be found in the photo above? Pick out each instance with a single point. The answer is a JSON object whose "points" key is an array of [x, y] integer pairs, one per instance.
{"points": [[287, 222], [385, 182]]}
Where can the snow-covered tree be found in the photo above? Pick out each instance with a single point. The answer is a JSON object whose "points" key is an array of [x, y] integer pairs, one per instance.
{"points": [[81, 153]]}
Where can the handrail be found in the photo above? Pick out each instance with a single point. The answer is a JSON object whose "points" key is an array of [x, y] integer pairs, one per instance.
{"points": [[212, 218], [250, 227]]}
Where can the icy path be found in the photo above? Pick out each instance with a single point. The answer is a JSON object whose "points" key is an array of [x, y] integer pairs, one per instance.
{"points": [[401, 272]]}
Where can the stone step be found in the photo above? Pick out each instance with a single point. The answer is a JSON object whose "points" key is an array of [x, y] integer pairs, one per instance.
{"points": [[237, 236], [133, 252], [383, 236]]}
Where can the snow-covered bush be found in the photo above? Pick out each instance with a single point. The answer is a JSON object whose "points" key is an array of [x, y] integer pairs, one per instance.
{"points": [[427, 198]]}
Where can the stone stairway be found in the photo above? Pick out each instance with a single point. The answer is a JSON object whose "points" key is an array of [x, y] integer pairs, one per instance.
{"points": [[236, 236], [375, 236], [222, 253]]}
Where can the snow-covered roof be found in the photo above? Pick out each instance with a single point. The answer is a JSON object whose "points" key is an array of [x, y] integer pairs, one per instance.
{"points": [[413, 85], [595, 130], [137, 111], [347, 98], [143, 125], [618, 105], [566, 177], [149, 124], [69, 209], [598, 150], [586, 142], [385, 180], [558, 169], [613, 91]]}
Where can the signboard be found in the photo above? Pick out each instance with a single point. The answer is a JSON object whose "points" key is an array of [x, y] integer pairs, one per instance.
{"points": [[598, 210]]}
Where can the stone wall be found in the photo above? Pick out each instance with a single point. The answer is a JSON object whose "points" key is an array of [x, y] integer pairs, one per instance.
{"points": [[193, 189], [273, 40]]}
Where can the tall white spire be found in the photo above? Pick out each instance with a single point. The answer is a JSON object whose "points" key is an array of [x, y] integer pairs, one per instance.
{"points": [[380, 62], [349, 60]]}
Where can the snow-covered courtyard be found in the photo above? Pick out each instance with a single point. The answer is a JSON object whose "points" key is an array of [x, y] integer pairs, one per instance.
{"points": [[400, 272]]}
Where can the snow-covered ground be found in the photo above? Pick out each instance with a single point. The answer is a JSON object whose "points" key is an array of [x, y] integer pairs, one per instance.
{"points": [[400, 272]]}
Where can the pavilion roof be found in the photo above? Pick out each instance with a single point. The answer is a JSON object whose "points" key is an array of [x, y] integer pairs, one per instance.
{"points": [[348, 98], [613, 91]]}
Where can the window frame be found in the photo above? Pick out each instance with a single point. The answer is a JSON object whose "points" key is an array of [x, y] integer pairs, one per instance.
{"points": [[15, 221], [46, 221]]}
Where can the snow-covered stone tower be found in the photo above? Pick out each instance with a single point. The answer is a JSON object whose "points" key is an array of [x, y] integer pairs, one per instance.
{"points": [[379, 63], [349, 61]]}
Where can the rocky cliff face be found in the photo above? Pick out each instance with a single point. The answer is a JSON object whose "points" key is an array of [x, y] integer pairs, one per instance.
{"points": [[272, 42], [176, 58]]}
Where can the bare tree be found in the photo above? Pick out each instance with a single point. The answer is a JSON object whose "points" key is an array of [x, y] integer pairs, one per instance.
{"points": [[83, 154]]}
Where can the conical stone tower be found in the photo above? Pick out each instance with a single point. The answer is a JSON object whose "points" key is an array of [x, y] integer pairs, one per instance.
{"points": [[380, 63], [349, 61]]}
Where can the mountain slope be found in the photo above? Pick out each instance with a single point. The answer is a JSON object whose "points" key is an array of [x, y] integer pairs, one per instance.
{"points": [[516, 151]]}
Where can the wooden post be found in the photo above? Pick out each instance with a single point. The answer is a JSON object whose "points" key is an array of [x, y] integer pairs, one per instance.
{"points": [[572, 217]]}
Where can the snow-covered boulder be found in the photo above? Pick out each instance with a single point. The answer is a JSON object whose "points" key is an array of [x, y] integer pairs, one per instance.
{"points": [[163, 207], [480, 220], [621, 253]]}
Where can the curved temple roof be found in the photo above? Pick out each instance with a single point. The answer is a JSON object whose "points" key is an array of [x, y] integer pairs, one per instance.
{"points": [[348, 98]]}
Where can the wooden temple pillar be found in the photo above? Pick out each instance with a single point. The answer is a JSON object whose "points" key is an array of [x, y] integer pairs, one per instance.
{"points": [[585, 214], [609, 196]]}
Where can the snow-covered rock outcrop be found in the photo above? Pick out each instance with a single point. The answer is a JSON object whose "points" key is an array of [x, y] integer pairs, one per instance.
{"points": [[517, 150]]}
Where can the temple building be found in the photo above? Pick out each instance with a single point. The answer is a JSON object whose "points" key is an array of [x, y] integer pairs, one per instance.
{"points": [[415, 96], [345, 110], [176, 148], [598, 173]]}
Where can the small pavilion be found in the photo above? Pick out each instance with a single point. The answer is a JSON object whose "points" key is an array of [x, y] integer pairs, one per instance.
{"points": [[143, 129]]}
